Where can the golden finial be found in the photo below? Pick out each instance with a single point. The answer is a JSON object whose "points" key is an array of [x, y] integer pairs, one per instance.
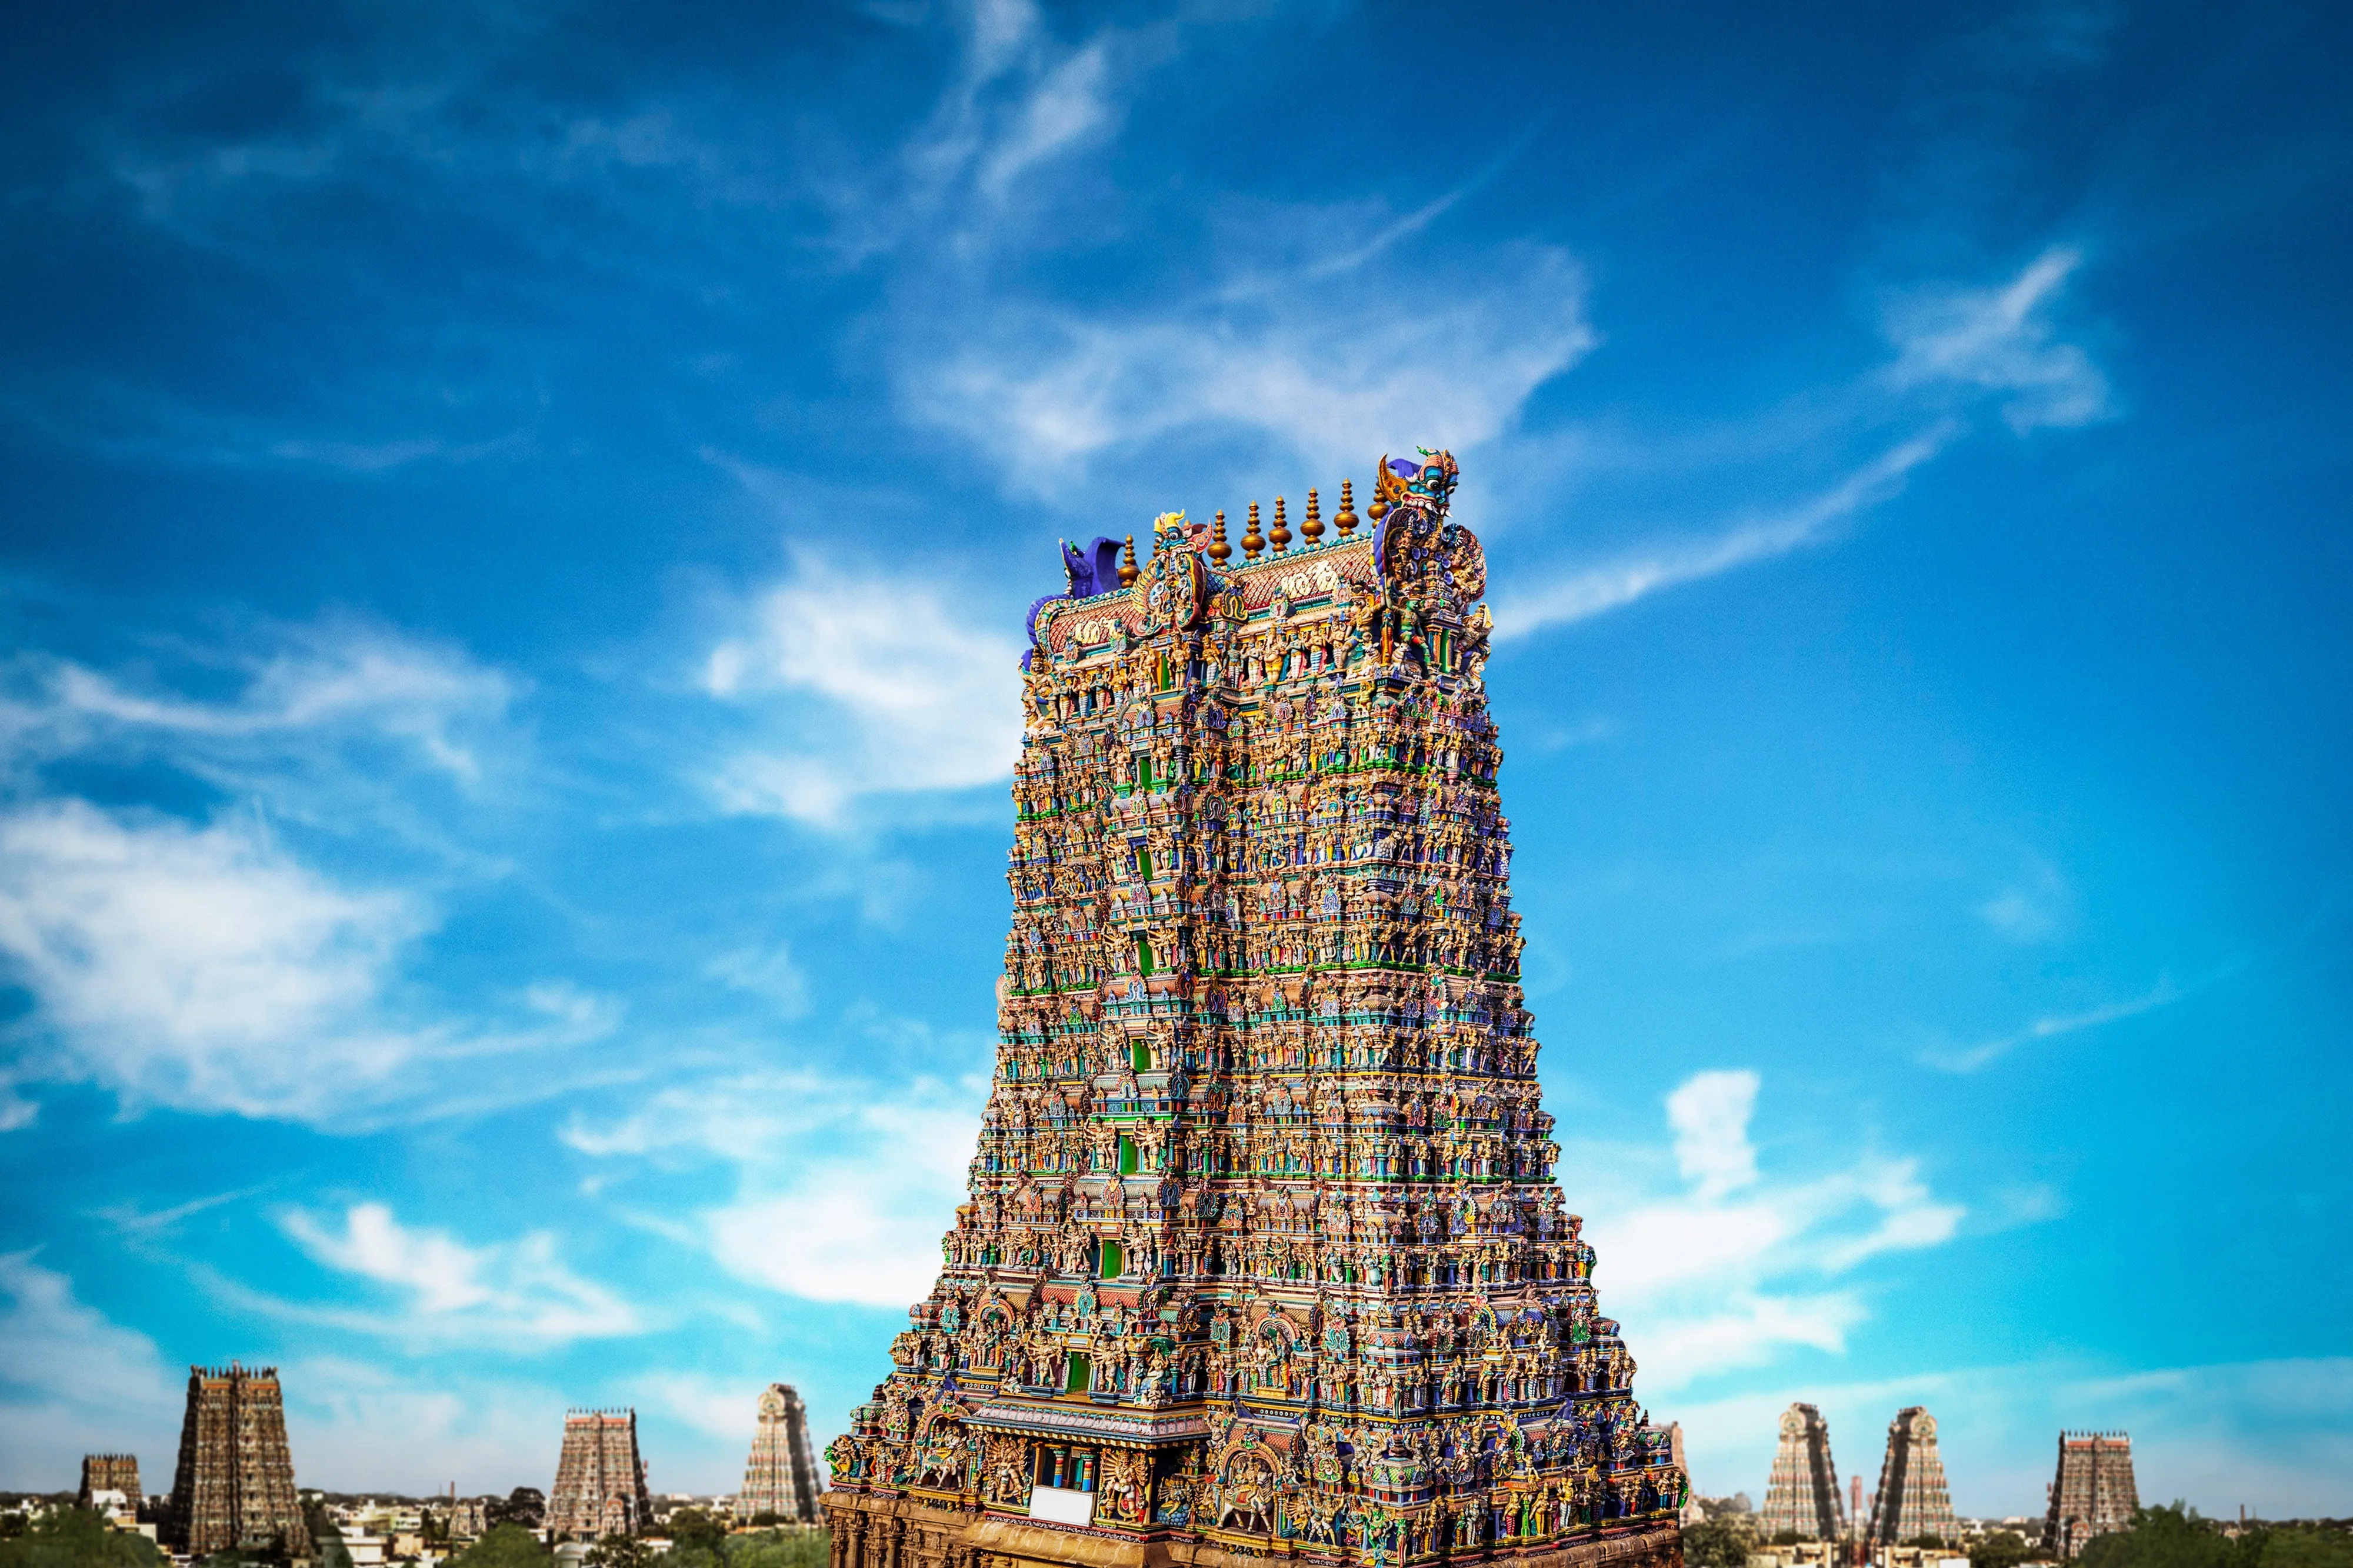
{"points": [[1312, 527], [1128, 572], [1218, 548], [1279, 534], [1345, 518], [1253, 539]]}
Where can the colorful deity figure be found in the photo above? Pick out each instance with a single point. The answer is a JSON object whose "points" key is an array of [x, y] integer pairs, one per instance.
{"points": [[1264, 1252]]}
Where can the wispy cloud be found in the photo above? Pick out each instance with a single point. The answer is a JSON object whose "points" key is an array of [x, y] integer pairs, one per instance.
{"points": [[516, 1293], [2057, 1025], [862, 687], [844, 1188], [2000, 341], [1735, 1267], [1307, 360], [71, 1380], [1582, 592]]}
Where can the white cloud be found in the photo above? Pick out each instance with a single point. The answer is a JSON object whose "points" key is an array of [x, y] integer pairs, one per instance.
{"points": [[2052, 1026], [1580, 592], [518, 1293], [1710, 1115], [845, 1187], [1734, 1268], [767, 973], [866, 687], [72, 1381], [1310, 359], [311, 692], [486, 1432], [205, 969], [2000, 341], [197, 966]]}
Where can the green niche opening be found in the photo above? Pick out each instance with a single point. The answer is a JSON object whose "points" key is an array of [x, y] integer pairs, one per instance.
{"points": [[1139, 1055], [1078, 1376], [1114, 1261], [1126, 1158], [1143, 966], [1144, 864]]}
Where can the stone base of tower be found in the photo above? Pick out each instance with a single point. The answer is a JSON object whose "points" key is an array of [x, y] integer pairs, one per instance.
{"points": [[870, 1530]]}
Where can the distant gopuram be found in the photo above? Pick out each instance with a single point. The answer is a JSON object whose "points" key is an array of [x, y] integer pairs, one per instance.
{"points": [[1264, 1257], [1912, 1499], [780, 1479], [2094, 1492], [600, 1481], [110, 1473], [234, 1487], [1803, 1493]]}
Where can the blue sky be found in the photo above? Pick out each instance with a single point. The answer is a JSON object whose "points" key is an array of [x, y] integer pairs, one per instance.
{"points": [[516, 527]]}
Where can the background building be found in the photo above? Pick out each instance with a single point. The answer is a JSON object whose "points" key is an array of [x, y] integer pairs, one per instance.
{"points": [[780, 1478], [1803, 1492], [110, 1473], [600, 1481], [234, 1487], [1913, 1501], [2094, 1492]]}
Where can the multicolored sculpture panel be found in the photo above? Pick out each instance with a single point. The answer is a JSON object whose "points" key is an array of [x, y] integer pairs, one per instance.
{"points": [[1263, 1255]]}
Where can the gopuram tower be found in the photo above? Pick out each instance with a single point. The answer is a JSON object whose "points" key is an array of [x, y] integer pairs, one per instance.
{"points": [[780, 1478], [233, 1489], [1264, 1254], [1802, 1493], [1912, 1501]]}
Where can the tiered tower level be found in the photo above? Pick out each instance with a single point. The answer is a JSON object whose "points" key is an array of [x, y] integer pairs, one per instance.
{"points": [[1803, 1492], [1912, 1501], [600, 1481], [234, 1487], [1264, 1254], [780, 1478], [2094, 1492], [110, 1473]]}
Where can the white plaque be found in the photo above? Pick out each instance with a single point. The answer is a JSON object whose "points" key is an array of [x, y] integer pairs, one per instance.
{"points": [[1061, 1505]]}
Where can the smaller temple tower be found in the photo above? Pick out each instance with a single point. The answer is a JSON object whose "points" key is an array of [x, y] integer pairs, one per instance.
{"points": [[2094, 1492], [1803, 1493], [780, 1478], [110, 1473], [1913, 1501], [234, 1486], [600, 1481]]}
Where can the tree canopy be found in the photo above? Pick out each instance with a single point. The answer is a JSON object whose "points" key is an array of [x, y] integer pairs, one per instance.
{"points": [[76, 1537], [2176, 1537], [503, 1546]]}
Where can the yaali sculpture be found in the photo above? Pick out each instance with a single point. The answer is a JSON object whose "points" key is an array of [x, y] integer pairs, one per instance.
{"points": [[1264, 1257]]}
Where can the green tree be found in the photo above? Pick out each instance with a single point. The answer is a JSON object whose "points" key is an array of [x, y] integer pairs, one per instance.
{"points": [[1716, 1544], [76, 1537], [693, 1530], [1786, 1538], [779, 1549], [503, 1546], [2169, 1537], [2002, 1549], [2301, 1546], [619, 1552], [1927, 1542]]}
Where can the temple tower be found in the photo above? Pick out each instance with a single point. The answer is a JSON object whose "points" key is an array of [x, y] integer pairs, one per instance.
{"points": [[234, 1486], [600, 1481], [1803, 1492], [1912, 1501], [110, 1473], [1263, 1252], [780, 1478], [2094, 1492]]}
